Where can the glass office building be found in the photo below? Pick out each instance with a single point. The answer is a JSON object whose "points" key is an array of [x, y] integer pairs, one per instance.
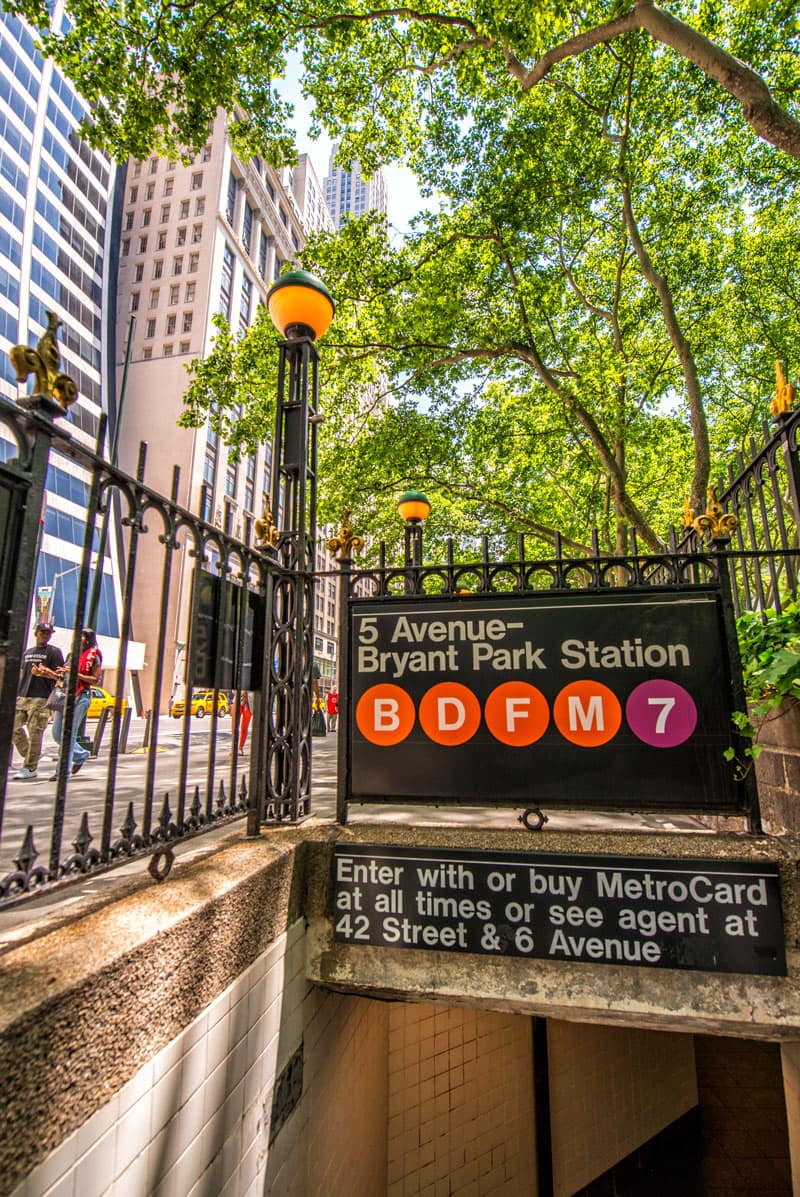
{"points": [[57, 253]]}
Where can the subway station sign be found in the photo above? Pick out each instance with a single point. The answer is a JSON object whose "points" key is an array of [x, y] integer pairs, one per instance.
{"points": [[619, 700], [715, 916]]}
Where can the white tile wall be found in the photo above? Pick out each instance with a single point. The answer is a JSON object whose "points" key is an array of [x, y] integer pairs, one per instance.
{"points": [[194, 1121]]}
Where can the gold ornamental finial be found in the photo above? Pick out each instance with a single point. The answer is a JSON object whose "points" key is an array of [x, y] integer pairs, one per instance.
{"points": [[44, 361], [346, 543], [714, 519], [265, 528], [688, 513], [785, 393]]}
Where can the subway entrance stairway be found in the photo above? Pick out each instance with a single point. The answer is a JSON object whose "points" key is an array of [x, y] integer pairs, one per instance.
{"points": [[219, 1041]]}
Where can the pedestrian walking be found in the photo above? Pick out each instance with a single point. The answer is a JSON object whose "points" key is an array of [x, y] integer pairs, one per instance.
{"points": [[245, 715], [332, 703], [90, 663], [41, 664]]}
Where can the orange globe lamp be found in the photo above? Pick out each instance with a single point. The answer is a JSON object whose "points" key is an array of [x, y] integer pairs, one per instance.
{"points": [[413, 506], [300, 305]]}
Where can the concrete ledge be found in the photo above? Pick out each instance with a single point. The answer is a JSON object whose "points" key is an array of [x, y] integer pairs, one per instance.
{"points": [[726, 1004], [85, 1005]]}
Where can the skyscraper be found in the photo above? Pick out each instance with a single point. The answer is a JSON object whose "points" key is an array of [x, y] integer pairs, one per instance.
{"points": [[348, 193], [197, 238], [58, 253]]}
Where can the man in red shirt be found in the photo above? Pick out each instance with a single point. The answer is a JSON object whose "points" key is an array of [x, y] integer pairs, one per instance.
{"points": [[333, 708]]}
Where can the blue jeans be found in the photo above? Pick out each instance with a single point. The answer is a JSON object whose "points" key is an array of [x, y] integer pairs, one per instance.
{"points": [[77, 754]]}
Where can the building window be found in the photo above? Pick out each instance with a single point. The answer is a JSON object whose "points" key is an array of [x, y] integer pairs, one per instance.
{"points": [[197, 181], [172, 164], [284, 217], [161, 241], [158, 267], [168, 184], [228, 518], [187, 322], [147, 353], [138, 273], [200, 206], [184, 210], [177, 265], [231, 204], [180, 236], [129, 220], [231, 478], [150, 328], [170, 329], [168, 350], [189, 293], [134, 301], [197, 233], [146, 217], [149, 191], [226, 286], [205, 156], [137, 169], [184, 346], [247, 226], [154, 297], [245, 303], [278, 265], [194, 262], [164, 213], [133, 195], [174, 293], [143, 245], [126, 247], [262, 254], [153, 165]]}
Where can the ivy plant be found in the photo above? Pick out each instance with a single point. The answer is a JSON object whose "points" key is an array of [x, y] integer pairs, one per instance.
{"points": [[770, 653]]}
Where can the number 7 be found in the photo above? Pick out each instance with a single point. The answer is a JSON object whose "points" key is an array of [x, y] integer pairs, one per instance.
{"points": [[666, 705]]}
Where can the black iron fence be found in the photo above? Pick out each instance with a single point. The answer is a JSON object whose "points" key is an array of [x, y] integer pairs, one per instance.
{"points": [[213, 592]]}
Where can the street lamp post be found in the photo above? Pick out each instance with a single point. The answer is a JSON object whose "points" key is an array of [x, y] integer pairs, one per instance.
{"points": [[301, 309], [414, 508]]}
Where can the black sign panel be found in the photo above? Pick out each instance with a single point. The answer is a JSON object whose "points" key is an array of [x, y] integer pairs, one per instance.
{"points": [[717, 916], [219, 606], [608, 701]]}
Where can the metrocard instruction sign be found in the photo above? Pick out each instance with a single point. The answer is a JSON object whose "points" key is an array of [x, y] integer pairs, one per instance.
{"points": [[618, 700], [717, 916]]}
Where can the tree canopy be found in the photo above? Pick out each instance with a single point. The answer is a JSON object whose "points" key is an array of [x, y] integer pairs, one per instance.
{"points": [[595, 308]]}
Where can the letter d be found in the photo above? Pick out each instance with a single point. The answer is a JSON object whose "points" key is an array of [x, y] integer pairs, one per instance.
{"points": [[459, 715]]}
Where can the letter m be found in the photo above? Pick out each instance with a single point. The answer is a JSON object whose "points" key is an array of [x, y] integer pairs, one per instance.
{"points": [[589, 717]]}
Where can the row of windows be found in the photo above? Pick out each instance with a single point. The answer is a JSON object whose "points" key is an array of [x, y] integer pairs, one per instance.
{"points": [[152, 165], [67, 527], [59, 482], [167, 350], [71, 203], [63, 572], [14, 175], [26, 78], [169, 325], [55, 254], [65, 297], [21, 34], [9, 287], [77, 144], [174, 293], [17, 103], [166, 209], [74, 172], [9, 328], [14, 137], [83, 418], [55, 218], [69, 337], [12, 211]]}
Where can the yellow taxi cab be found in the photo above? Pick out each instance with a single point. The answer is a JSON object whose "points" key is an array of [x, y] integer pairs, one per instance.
{"points": [[202, 704], [102, 700]]}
